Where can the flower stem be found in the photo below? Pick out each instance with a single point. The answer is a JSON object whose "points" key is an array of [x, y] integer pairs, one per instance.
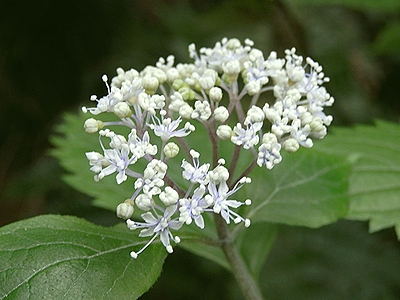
{"points": [[239, 269]]}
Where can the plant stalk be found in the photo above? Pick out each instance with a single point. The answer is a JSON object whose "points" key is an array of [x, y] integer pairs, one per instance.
{"points": [[239, 269]]}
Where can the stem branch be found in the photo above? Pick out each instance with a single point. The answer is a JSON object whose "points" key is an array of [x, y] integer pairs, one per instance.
{"points": [[239, 269]]}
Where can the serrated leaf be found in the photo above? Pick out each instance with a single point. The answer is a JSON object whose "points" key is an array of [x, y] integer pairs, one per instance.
{"points": [[308, 188], [63, 257], [375, 181]]}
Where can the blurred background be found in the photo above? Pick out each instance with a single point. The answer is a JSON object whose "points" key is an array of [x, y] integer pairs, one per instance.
{"points": [[52, 57]]}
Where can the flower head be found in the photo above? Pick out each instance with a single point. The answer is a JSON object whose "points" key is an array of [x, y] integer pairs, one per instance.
{"points": [[151, 104]]}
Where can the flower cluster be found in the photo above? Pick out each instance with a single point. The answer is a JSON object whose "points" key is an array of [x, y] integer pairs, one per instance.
{"points": [[222, 90]]}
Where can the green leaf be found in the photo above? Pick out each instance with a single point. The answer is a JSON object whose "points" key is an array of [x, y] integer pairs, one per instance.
{"points": [[375, 181], [382, 5], [308, 188], [63, 257]]}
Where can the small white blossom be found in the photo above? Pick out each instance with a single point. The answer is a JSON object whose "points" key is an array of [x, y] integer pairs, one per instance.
{"points": [[222, 205], [141, 147], [157, 226], [192, 208], [153, 178], [151, 103], [150, 83], [185, 111], [166, 128], [195, 172], [176, 102], [246, 137], [218, 174], [119, 161], [269, 151], [291, 145]]}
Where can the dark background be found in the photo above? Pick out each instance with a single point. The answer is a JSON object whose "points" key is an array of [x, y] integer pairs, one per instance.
{"points": [[52, 57]]}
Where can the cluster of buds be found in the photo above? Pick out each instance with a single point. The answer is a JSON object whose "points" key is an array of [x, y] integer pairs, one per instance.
{"points": [[224, 90]]}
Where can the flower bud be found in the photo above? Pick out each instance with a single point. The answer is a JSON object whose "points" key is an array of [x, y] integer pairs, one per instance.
{"points": [[215, 94], [187, 93], [91, 125], [221, 114], [122, 110], [291, 145], [169, 196], [150, 84], [144, 202], [224, 132], [171, 150], [125, 209]]}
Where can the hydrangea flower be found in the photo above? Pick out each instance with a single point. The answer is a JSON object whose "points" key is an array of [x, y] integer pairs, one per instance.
{"points": [[217, 93]]}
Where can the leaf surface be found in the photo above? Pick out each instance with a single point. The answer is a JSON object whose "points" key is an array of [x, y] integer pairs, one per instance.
{"points": [[308, 188], [64, 257], [375, 181]]}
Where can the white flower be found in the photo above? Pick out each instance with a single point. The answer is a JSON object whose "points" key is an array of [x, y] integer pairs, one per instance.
{"points": [[166, 128], [196, 172], [269, 151], [141, 147], [119, 161], [191, 208], [106, 103], [218, 174], [150, 83], [176, 102], [185, 111], [222, 205], [96, 160], [144, 202], [157, 226], [153, 178], [125, 210], [151, 103], [246, 137], [291, 145]]}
